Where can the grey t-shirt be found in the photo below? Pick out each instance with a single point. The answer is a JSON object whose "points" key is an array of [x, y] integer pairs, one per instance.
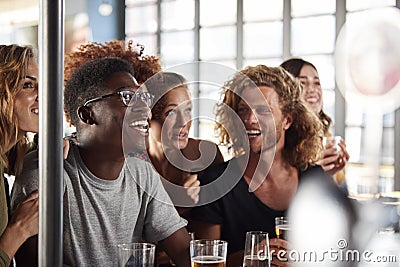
{"points": [[99, 214]]}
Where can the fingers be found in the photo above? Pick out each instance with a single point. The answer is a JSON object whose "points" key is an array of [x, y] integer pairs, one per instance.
{"points": [[26, 216], [193, 193], [331, 151], [278, 243], [334, 159], [192, 186], [278, 248], [344, 152], [34, 195], [191, 180], [329, 162]]}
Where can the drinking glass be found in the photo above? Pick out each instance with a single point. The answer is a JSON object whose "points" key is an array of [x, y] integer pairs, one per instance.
{"points": [[281, 227], [256, 250], [210, 253], [191, 234], [136, 255], [333, 140]]}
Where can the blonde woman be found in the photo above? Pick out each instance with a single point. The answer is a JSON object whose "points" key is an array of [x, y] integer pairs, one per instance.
{"points": [[19, 115]]}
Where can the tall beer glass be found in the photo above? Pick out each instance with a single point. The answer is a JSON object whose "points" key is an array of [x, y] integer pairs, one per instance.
{"points": [[256, 250], [208, 253], [281, 227]]}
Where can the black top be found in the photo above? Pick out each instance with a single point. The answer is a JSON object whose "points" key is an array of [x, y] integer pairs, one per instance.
{"points": [[240, 211]]}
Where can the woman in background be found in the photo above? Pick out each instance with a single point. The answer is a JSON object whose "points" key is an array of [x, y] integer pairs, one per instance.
{"points": [[19, 115], [332, 161]]}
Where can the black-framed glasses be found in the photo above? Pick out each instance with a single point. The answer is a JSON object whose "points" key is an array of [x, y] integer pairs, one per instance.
{"points": [[128, 96]]}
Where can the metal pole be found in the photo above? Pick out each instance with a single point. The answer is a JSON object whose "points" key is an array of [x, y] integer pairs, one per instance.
{"points": [[196, 93], [340, 103], [51, 70]]}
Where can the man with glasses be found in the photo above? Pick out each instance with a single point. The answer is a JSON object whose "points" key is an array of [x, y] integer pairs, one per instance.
{"points": [[109, 199]]}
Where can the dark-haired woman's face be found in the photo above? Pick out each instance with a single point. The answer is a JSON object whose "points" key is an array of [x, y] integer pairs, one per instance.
{"points": [[312, 92], [176, 118], [26, 101]]}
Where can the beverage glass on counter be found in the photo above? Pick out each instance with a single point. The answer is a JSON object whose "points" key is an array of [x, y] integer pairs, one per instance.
{"points": [[281, 227], [208, 253], [191, 234], [136, 255], [256, 250]]}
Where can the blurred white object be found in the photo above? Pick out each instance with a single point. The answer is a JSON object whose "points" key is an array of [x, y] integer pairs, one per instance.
{"points": [[322, 222], [105, 9]]}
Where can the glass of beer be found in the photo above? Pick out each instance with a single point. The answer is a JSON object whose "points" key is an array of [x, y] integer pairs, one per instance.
{"points": [[208, 253], [282, 227], [256, 250], [136, 255]]}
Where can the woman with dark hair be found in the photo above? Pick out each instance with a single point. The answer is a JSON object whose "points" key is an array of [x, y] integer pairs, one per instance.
{"points": [[19, 115], [332, 161]]}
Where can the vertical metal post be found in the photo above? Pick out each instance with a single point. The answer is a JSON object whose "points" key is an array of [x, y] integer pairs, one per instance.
{"points": [[340, 103], [239, 35], [397, 141], [51, 70], [397, 150], [287, 20], [158, 33], [196, 95]]}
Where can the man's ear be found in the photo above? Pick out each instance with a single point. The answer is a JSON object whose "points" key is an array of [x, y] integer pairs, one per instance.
{"points": [[288, 122], [85, 115]]}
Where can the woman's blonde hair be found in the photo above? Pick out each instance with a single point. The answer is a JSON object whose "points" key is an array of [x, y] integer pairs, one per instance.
{"points": [[14, 60], [303, 140]]}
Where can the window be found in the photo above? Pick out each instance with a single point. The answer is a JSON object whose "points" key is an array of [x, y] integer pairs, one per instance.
{"points": [[240, 33]]}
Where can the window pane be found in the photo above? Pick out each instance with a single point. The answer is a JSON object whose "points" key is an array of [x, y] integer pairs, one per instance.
{"points": [[255, 10], [353, 143], [329, 105], [213, 76], [149, 42], [313, 35], [262, 39], [387, 154], [354, 5], [6, 37], [134, 2], [388, 120], [217, 12], [212, 93], [177, 15], [217, 43], [141, 20], [326, 69], [272, 62], [387, 146], [177, 46], [354, 114], [312, 7], [229, 64]]}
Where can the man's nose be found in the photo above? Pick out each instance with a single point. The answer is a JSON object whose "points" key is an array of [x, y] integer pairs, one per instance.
{"points": [[141, 108], [251, 116]]}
